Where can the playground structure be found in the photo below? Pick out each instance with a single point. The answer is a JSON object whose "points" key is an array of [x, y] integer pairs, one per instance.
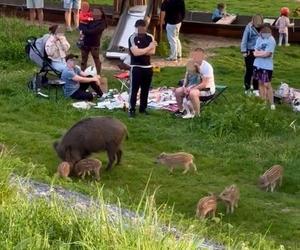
{"points": [[128, 12]]}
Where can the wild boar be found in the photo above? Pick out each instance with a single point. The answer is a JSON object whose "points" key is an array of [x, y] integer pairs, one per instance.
{"points": [[92, 135], [271, 177], [180, 159], [64, 169], [230, 196], [88, 166], [206, 205]]}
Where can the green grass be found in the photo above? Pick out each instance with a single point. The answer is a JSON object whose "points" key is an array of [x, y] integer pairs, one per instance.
{"points": [[233, 142], [265, 7]]}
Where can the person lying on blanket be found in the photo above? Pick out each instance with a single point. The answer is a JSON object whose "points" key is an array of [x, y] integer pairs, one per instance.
{"points": [[202, 89]]}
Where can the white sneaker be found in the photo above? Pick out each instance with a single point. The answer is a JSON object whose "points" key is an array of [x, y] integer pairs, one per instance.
{"points": [[255, 93], [188, 116], [273, 107], [248, 92]]}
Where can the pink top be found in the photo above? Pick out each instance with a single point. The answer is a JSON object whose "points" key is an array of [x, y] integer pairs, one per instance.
{"points": [[282, 24]]}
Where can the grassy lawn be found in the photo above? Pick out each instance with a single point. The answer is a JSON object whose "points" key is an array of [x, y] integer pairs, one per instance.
{"points": [[233, 142], [265, 7]]}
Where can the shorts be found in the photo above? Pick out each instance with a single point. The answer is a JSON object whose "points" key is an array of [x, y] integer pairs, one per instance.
{"points": [[35, 4], [262, 75], [72, 4]]}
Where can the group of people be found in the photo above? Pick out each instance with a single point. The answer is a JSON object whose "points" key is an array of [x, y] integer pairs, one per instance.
{"points": [[257, 47]]}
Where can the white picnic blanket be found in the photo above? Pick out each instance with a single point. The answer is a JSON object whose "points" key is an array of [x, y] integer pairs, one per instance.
{"points": [[158, 99]]}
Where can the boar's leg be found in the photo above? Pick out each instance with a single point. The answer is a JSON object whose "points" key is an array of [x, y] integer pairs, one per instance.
{"points": [[97, 174], [119, 156], [111, 153]]}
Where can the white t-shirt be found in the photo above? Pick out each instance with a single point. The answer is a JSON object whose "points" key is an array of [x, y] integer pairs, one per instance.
{"points": [[207, 71]]}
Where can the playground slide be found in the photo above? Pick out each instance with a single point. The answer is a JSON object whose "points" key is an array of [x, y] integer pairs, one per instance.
{"points": [[118, 46]]}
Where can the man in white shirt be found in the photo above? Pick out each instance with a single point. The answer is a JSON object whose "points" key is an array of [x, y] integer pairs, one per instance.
{"points": [[204, 91]]}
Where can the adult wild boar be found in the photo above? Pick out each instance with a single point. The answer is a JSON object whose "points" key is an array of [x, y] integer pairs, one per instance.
{"points": [[92, 135]]}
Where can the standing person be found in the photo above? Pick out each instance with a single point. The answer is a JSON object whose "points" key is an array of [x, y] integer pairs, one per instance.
{"points": [[283, 24], [36, 7], [57, 47], [196, 91], [141, 47], [172, 13], [250, 35], [92, 33], [70, 5], [263, 64], [77, 82]]}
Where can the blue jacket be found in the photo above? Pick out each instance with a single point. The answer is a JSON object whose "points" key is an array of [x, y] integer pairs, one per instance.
{"points": [[250, 36]]}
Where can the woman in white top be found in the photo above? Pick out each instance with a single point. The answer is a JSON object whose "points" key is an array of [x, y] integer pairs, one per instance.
{"points": [[56, 48]]}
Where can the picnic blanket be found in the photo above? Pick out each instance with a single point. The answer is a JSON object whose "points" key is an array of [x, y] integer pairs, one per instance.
{"points": [[159, 98]]}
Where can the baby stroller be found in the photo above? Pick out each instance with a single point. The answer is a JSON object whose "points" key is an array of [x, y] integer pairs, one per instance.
{"points": [[47, 75]]}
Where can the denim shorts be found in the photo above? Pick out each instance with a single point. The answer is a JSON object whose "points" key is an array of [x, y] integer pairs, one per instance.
{"points": [[35, 4], [72, 4]]}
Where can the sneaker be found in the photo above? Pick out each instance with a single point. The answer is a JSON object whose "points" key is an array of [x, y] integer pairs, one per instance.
{"points": [[287, 45], [131, 114], [69, 29], [248, 92], [255, 93], [144, 112], [273, 107], [171, 59], [188, 116], [179, 113]]}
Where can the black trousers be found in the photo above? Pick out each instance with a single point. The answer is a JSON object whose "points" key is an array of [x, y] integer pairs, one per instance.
{"points": [[82, 95], [140, 78], [249, 60]]}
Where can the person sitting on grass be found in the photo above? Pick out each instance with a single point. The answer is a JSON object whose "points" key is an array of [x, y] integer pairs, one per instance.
{"points": [[203, 90], [77, 82], [219, 12], [263, 63]]}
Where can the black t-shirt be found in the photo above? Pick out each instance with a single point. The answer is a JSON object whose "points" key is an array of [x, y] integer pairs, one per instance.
{"points": [[175, 11], [141, 41]]}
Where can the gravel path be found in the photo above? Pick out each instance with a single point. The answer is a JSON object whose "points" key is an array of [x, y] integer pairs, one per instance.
{"points": [[34, 190]]}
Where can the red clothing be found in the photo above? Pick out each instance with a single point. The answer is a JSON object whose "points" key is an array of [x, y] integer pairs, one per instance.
{"points": [[85, 16]]}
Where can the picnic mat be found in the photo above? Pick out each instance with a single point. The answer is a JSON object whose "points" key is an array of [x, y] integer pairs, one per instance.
{"points": [[159, 98]]}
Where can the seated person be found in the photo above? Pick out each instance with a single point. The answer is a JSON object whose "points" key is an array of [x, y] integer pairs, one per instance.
{"points": [[57, 47], [203, 90], [219, 12], [77, 82]]}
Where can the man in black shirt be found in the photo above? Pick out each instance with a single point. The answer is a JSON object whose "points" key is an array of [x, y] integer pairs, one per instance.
{"points": [[141, 46], [172, 13]]}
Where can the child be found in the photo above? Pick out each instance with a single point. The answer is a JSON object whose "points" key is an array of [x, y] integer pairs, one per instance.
{"points": [[263, 63], [219, 12], [85, 16], [283, 23], [192, 77]]}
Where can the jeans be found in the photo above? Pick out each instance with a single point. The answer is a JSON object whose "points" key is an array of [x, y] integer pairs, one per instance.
{"points": [[248, 79], [85, 56], [59, 65], [82, 95], [173, 38]]}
